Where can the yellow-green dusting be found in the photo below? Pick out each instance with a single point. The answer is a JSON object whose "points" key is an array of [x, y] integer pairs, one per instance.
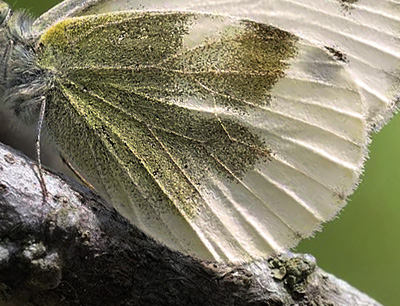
{"points": [[121, 107]]}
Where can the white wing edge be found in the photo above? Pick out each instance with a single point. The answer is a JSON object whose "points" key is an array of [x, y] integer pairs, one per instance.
{"points": [[65, 9]]}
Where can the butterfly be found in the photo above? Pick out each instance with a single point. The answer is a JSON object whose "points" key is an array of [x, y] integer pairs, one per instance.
{"points": [[227, 130]]}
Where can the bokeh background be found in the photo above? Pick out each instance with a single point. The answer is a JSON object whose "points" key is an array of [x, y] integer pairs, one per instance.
{"points": [[362, 246]]}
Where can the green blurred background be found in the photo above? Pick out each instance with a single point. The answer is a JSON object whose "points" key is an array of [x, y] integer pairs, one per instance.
{"points": [[362, 246]]}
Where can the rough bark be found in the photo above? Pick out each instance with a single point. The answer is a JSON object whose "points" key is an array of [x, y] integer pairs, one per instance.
{"points": [[73, 249]]}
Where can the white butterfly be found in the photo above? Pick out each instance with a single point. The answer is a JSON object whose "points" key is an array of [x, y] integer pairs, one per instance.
{"points": [[341, 84]]}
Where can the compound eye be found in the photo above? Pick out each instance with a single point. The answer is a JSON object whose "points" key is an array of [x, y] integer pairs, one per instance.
{"points": [[5, 12]]}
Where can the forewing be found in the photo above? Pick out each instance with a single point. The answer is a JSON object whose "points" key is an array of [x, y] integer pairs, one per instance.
{"points": [[223, 138], [363, 33]]}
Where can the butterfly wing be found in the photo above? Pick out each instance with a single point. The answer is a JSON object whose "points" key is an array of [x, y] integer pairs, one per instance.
{"points": [[223, 138]]}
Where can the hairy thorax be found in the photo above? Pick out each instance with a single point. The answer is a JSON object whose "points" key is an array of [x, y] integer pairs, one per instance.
{"points": [[23, 82]]}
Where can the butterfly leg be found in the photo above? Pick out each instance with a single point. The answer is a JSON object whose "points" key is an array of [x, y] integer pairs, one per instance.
{"points": [[74, 171], [37, 144]]}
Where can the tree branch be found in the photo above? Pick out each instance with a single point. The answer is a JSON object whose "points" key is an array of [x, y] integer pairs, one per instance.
{"points": [[73, 249]]}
